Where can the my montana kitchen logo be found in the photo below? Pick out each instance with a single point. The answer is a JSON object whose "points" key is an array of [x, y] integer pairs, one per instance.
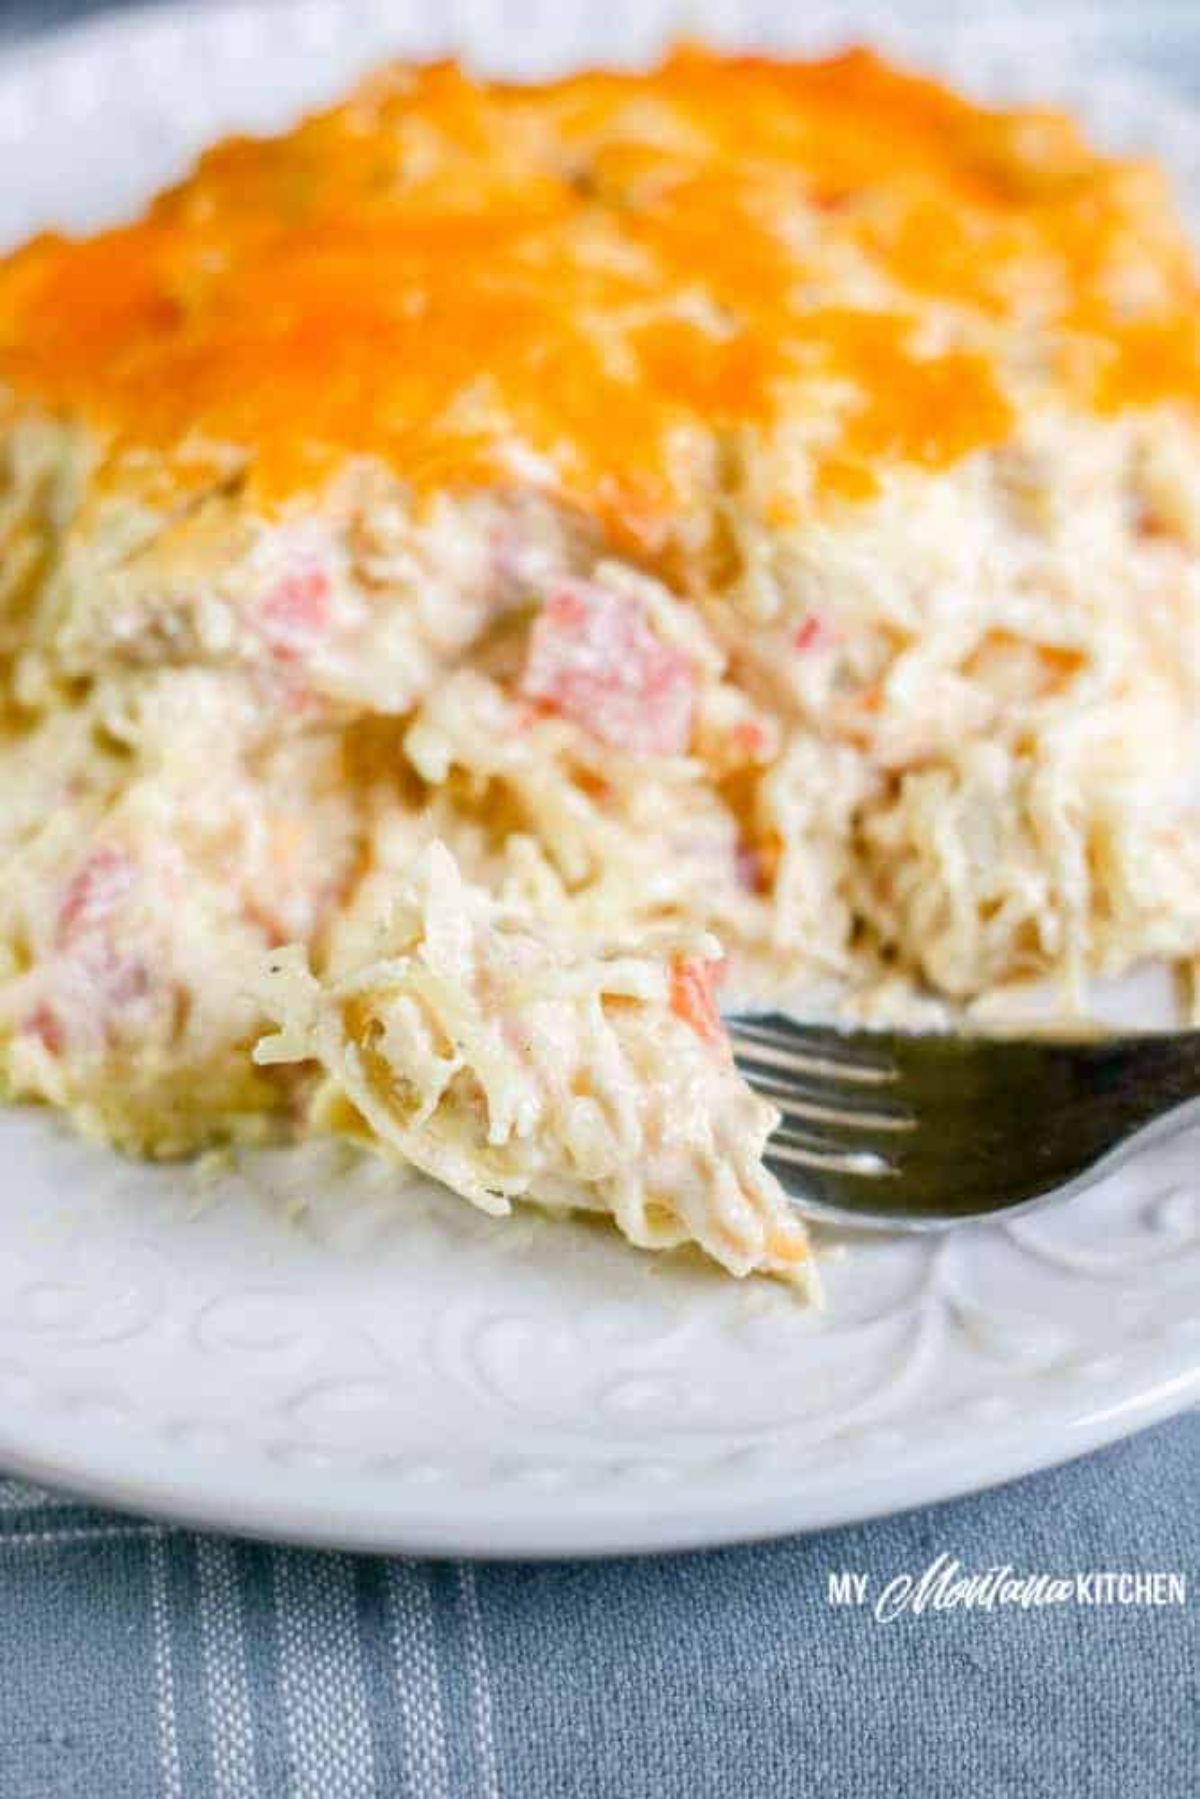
{"points": [[945, 1585]]}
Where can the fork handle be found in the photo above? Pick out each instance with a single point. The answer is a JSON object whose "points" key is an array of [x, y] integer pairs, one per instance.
{"points": [[1153, 1074]]}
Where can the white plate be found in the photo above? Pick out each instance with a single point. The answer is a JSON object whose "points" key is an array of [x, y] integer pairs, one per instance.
{"points": [[395, 1372]]}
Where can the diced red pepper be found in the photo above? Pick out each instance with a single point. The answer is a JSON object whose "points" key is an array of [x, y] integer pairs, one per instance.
{"points": [[748, 739], [126, 979], [294, 614], [813, 634], [44, 1023], [693, 998], [87, 937], [98, 885], [594, 659], [751, 872]]}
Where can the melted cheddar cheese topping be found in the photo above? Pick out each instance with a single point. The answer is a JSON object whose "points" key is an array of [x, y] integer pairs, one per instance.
{"points": [[609, 285]]}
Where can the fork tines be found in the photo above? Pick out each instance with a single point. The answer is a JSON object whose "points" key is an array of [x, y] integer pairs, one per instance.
{"points": [[814, 1077]]}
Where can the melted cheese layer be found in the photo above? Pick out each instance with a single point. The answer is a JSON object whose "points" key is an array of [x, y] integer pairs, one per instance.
{"points": [[616, 287]]}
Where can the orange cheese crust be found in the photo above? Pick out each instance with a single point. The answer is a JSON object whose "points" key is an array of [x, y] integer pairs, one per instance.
{"points": [[610, 285]]}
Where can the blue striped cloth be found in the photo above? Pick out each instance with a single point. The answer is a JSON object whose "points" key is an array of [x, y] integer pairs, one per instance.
{"points": [[138, 1662]]}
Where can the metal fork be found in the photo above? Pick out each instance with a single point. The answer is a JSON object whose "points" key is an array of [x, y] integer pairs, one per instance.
{"points": [[910, 1132]]}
